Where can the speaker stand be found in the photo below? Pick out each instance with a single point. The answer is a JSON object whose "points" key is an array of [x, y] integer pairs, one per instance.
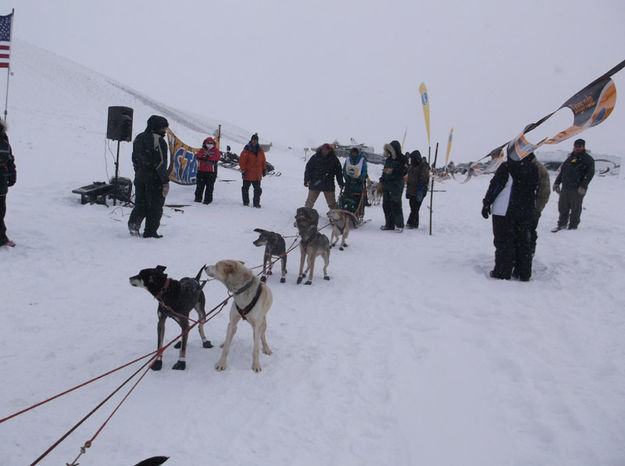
{"points": [[116, 176]]}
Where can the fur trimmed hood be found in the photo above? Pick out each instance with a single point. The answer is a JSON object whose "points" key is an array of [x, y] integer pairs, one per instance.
{"points": [[392, 150]]}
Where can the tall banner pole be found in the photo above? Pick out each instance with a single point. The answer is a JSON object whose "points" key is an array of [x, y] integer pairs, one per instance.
{"points": [[6, 101], [403, 141], [425, 101], [432, 186]]}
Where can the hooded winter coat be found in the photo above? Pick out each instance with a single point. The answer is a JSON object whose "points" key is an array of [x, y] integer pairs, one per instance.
{"points": [[418, 178], [252, 162], [523, 178], [208, 158], [149, 150], [392, 178]]}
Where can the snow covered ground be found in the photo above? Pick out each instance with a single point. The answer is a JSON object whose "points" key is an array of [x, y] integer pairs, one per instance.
{"points": [[409, 355]]}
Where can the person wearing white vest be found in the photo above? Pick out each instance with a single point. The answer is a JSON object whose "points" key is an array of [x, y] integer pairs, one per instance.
{"points": [[511, 198]]}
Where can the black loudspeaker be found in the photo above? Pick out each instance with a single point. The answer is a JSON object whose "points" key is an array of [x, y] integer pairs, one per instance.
{"points": [[119, 126]]}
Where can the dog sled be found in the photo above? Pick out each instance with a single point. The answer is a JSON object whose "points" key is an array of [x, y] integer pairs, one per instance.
{"points": [[352, 201]]}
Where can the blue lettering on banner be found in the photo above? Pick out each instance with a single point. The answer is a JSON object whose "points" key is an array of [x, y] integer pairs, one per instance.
{"points": [[185, 166]]}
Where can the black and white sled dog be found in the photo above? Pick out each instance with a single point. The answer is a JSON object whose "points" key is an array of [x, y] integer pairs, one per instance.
{"points": [[313, 243], [274, 247], [175, 298], [252, 300]]}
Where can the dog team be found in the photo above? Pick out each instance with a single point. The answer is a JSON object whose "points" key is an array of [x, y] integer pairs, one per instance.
{"points": [[251, 296]]}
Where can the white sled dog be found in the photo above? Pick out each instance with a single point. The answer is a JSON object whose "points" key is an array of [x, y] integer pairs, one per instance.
{"points": [[252, 300]]}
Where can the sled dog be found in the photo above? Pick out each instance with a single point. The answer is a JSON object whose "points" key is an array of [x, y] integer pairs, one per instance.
{"points": [[312, 243], [252, 300], [274, 247], [175, 298]]}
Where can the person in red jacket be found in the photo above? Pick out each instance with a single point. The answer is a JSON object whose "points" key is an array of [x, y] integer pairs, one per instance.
{"points": [[253, 167], [207, 158]]}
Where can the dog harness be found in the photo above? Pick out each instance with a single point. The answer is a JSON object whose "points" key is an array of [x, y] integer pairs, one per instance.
{"points": [[246, 310], [162, 290]]}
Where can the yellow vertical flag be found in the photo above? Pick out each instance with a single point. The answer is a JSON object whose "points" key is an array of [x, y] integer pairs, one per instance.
{"points": [[451, 136], [425, 100]]}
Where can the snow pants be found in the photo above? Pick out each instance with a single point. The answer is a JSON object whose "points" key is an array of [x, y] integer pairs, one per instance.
{"points": [[513, 246], [149, 202], [204, 186], [570, 208], [3, 211], [245, 192]]}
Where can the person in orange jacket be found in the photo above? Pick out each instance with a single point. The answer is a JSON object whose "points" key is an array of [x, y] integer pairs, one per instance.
{"points": [[207, 158], [253, 167]]}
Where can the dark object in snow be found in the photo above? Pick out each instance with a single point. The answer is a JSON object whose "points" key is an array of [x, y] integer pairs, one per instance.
{"points": [[154, 461], [94, 193]]}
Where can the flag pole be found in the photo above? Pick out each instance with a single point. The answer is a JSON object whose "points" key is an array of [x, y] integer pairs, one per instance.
{"points": [[432, 188], [6, 100]]}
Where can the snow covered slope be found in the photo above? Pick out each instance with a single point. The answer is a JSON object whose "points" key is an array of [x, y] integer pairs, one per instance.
{"points": [[409, 355]]}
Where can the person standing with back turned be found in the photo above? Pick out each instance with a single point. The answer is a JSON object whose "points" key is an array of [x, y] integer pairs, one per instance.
{"points": [[149, 159]]}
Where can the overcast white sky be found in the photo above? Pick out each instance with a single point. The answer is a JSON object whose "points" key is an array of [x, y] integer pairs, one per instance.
{"points": [[301, 73]]}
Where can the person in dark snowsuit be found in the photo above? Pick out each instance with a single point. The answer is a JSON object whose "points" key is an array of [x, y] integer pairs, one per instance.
{"points": [[207, 158], [392, 181], [575, 175], [253, 167], [319, 174], [149, 159], [416, 186], [511, 197], [8, 177]]}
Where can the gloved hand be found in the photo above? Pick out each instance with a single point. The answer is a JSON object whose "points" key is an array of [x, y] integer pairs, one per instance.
{"points": [[556, 188], [12, 180], [486, 210], [306, 183], [264, 172], [243, 173], [581, 191], [165, 189]]}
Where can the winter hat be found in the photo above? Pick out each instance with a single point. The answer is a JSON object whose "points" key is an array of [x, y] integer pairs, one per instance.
{"points": [[579, 143], [415, 156], [354, 150], [254, 136]]}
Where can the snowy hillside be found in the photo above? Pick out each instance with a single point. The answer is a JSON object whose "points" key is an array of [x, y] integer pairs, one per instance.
{"points": [[409, 355]]}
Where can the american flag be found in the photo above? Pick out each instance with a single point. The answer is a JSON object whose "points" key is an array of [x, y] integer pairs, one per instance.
{"points": [[5, 40]]}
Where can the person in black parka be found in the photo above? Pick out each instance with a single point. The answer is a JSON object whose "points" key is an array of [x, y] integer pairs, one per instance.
{"points": [[149, 159], [511, 198], [575, 175], [416, 186], [8, 177], [392, 180], [319, 174]]}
